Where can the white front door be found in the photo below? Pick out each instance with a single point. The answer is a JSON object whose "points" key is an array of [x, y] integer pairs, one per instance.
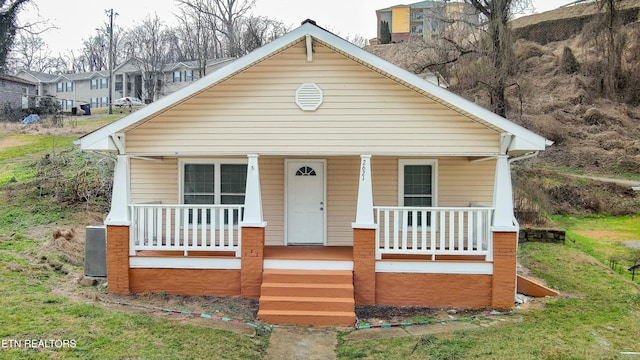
{"points": [[305, 214]]}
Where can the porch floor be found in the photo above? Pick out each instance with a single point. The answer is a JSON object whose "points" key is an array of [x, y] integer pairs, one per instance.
{"points": [[308, 253]]}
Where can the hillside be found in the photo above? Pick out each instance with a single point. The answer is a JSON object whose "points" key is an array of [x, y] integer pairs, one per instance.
{"points": [[592, 135]]}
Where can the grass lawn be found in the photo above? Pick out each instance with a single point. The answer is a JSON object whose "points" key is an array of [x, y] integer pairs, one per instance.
{"points": [[31, 311], [596, 317]]}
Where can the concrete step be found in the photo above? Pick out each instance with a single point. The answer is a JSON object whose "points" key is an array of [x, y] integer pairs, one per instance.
{"points": [[329, 304], [313, 318], [307, 276], [297, 289]]}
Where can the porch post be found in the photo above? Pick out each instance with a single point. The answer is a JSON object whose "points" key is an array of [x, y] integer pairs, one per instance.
{"points": [[504, 237], [119, 213], [253, 227], [503, 217], [364, 211], [253, 196], [118, 223], [364, 239]]}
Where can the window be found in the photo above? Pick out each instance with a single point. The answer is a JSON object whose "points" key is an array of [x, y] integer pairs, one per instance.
{"points": [[94, 102], [188, 75], [177, 76], [104, 83], [417, 185], [60, 87], [69, 86], [214, 182], [94, 84]]}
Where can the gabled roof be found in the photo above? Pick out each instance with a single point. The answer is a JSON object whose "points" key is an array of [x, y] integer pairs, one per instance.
{"points": [[16, 79], [38, 77], [524, 140]]}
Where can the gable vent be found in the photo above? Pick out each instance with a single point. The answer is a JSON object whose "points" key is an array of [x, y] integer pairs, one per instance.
{"points": [[309, 97]]}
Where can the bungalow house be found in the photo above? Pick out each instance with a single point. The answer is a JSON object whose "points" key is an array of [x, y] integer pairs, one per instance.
{"points": [[314, 176]]}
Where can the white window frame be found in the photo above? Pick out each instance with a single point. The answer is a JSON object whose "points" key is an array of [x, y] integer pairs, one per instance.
{"points": [[177, 76], [217, 195], [217, 173], [188, 75], [434, 180]]}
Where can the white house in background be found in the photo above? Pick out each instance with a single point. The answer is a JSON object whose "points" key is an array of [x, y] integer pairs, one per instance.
{"points": [[314, 176]]}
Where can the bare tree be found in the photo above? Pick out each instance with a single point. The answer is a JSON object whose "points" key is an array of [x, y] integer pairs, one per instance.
{"points": [[197, 37], [499, 48], [610, 27], [256, 31], [147, 44], [31, 53], [228, 13]]}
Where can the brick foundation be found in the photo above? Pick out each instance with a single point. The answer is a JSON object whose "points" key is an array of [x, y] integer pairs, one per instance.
{"points": [[364, 266], [457, 290], [118, 259], [197, 282], [252, 260], [504, 269]]}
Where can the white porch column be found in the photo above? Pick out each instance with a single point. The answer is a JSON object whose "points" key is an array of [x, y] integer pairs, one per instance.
{"points": [[121, 195], [364, 212], [253, 195], [503, 196]]}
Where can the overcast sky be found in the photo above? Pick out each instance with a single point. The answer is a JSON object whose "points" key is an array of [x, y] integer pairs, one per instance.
{"points": [[78, 19]]}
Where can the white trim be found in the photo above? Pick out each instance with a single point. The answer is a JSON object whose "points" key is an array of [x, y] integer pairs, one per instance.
{"points": [[434, 178], [324, 196], [525, 140], [437, 267], [138, 262], [308, 264]]}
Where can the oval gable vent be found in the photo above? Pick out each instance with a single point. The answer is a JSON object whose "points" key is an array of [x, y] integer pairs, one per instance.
{"points": [[309, 97]]}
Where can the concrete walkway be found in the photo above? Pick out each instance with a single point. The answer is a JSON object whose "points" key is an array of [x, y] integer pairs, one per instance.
{"points": [[318, 343], [297, 342]]}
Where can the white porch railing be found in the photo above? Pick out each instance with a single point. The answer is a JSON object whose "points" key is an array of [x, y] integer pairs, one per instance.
{"points": [[434, 231], [185, 227]]}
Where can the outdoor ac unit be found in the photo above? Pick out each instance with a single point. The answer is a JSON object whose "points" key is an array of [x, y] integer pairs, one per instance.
{"points": [[95, 251]]}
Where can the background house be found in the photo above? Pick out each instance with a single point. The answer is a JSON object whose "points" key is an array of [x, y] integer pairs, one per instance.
{"points": [[16, 93], [92, 87], [425, 18]]}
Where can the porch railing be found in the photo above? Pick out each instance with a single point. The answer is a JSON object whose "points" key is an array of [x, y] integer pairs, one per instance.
{"points": [[185, 227], [434, 231]]}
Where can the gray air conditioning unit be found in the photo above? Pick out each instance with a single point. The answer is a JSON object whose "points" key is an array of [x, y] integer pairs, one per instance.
{"points": [[95, 251]]}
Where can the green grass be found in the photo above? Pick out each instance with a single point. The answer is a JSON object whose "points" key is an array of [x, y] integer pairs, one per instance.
{"points": [[30, 144], [602, 236], [29, 310], [597, 317]]}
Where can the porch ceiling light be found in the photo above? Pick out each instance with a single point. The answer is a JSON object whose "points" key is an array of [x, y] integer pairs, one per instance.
{"points": [[309, 97]]}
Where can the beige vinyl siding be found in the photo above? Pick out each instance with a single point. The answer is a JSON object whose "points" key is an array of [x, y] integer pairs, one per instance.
{"points": [[154, 181], [363, 113], [272, 188], [342, 199], [460, 182]]}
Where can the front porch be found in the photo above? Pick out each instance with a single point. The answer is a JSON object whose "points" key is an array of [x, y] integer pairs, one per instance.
{"points": [[397, 255]]}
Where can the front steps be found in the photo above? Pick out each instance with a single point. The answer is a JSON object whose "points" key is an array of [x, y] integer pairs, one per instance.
{"points": [[307, 297]]}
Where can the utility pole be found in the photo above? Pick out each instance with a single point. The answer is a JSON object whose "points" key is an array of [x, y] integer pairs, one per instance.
{"points": [[110, 13]]}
